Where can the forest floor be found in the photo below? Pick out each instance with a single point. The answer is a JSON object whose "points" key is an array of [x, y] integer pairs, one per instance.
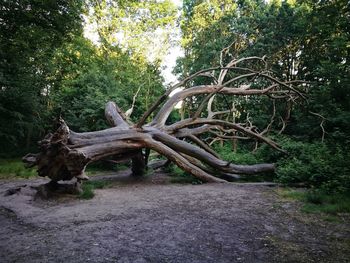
{"points": [[152, 220]]}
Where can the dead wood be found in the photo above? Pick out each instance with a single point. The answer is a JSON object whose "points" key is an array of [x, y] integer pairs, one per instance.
{"points": [[65, 154]]}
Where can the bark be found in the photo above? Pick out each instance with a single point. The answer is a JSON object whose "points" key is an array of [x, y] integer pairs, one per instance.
{"points": [[117, 118], [65, 154]]}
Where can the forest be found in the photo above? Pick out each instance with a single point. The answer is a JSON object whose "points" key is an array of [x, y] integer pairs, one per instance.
{"points": [[174, 131], [50, 69]]}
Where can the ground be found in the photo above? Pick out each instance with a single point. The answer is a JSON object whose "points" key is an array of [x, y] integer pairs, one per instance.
{"points": [[152, 220]]}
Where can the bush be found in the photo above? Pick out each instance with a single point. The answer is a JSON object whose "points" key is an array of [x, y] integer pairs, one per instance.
{"points": [[315, 164], [241, 156], [244, 156]]}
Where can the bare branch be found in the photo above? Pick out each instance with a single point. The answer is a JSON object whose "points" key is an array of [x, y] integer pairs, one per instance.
{"points": [[203, 145], [321, 124], [65, 154], [162, 98], [114, 115], [181, 133], [203, 156], [229, 136], [129, 111], [161, 117], [181, 161], [284, 125], [272, 119], [190, 122], [224, 70]]}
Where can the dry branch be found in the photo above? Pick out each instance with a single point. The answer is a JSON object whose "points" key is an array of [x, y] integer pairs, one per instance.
{"points": [[65, 154]]}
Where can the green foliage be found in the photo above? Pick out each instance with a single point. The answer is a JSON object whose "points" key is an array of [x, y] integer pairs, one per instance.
{"points": [[288, 193], [141, 27], [239, 157], [92, 79], [48, 69], [14, 168], [89, 187], [316, 165], [318, 201], [178, 176], [88, 192], [302, 40], [244, 155], [343, 206], [313, 164], [30, 31]]}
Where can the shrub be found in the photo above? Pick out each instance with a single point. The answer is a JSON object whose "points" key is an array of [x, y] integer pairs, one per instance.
{"points": [[316, 164], [89, 187], [241, 156]]}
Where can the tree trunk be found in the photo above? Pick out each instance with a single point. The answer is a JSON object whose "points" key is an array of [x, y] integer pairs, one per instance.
{"points": [[65, 154]]}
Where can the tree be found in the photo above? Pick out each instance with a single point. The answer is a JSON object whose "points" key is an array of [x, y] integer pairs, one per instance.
{"points": [[46, 65], [65, 154], [301, 39], [114, 67], [142, 28], [87, 80], [30, 31], [308, 40]]}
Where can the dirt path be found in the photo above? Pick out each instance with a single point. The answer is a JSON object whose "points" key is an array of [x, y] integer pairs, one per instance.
{"points": [[152, 221]]}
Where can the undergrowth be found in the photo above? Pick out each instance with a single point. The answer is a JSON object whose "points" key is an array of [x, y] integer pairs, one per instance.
{"points": [[318, 201], [314, 164], [14, 168], [89, 187], [178, 176], [103, 166]]}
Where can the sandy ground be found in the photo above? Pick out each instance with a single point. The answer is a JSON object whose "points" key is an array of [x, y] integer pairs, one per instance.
{"points": [[151, 220]]}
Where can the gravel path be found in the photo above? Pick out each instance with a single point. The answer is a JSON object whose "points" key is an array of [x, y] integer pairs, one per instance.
{"points": [[154, 221]]}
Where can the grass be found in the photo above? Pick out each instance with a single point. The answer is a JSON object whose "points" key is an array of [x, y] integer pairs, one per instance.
{"points": [[180, 179], [329, 204], [291, 194], [89, 187], [149, 172], [317, 201], [14, 168], [178, 176], [98, 167]]}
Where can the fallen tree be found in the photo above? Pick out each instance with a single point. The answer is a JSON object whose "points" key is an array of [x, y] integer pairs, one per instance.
{"points": [[65, 154]]}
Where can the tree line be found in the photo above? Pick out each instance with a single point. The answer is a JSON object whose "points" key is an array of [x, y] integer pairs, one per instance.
{"points": [[49, 69]]}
